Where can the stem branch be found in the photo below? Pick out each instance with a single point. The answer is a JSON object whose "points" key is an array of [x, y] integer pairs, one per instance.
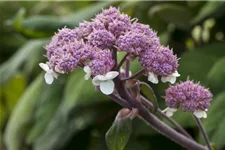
{"points": [[199, 123]]}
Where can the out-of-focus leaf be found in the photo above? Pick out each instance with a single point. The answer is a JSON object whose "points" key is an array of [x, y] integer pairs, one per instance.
{"points": [[194, 4], [49, 100], [25, 53], [73, 115], [216, 76], [13, 90], [43, 26], [210, 9], [173, 13], [10, 94], [215, 122], [119, 133], [196, 63], [22, 115]]}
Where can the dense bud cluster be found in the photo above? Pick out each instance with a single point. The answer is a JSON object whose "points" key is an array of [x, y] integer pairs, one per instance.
{"points": [[190, 97]]}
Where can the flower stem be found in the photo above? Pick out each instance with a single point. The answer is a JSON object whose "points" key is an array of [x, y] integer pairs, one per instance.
{"points": [[161, 114], [152, 121], [199, 123], [121, 62], [163, 129], [127, 68], [139, 73]]}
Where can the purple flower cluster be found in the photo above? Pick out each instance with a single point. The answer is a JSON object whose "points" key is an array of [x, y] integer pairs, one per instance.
{"points": [[159, 60], [189, 96], [91, 43]]}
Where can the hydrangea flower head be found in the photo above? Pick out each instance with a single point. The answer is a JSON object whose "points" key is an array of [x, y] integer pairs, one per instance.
{"points": [[190, 97], [160, 62]]}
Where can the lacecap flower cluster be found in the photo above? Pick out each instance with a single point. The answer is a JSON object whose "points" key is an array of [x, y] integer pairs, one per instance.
{"points": [[91, 44]]}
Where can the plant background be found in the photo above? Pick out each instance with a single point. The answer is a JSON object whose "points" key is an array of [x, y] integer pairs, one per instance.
{"points": [[70, 114]]}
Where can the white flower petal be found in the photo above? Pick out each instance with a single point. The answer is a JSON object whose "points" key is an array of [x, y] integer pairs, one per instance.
{"points": [[49, 78], [171, 78], [98, 79], [169, 113], [45, 67], [58, 70], [200, 114], [87, 76], [55, 75], [153, 78], [176, 74], [87, 69], [107, 87], [204, 115], [111, 75]]}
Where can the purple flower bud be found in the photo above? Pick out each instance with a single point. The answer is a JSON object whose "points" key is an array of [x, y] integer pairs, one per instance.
{"points": [[120, 25], [189, 96], [160, 61], [101, 38], [102, 62], [146, 30], [108, 15], [85, 28], [64, 36], [134, 43], [65, 52]]}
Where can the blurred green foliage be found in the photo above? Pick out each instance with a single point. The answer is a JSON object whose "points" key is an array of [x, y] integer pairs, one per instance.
{"points": [[70, 114]]}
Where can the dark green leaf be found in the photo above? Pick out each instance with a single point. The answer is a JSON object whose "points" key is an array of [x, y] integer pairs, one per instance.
{"points": [[215, 122], [172, 13], [210, 9], [216, 76], [44, 26], [119, 133]]}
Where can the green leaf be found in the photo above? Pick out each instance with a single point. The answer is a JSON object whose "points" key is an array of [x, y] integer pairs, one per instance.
{"points": [[149, 93], [79, 109], [215, 122], [25, 53], [49, 101], [22, 115], [119, 133], [210, 9], [16, 86], [216, 76], [196, 63], [44, 26], [173, 13]]}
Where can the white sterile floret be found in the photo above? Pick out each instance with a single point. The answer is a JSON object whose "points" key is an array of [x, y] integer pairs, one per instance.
{"points": [[87, 70], [170, 111], [58, 70], [153, 78], [200, 114], [123, 71], [171, 78], [50, 74], [105, 82]]}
